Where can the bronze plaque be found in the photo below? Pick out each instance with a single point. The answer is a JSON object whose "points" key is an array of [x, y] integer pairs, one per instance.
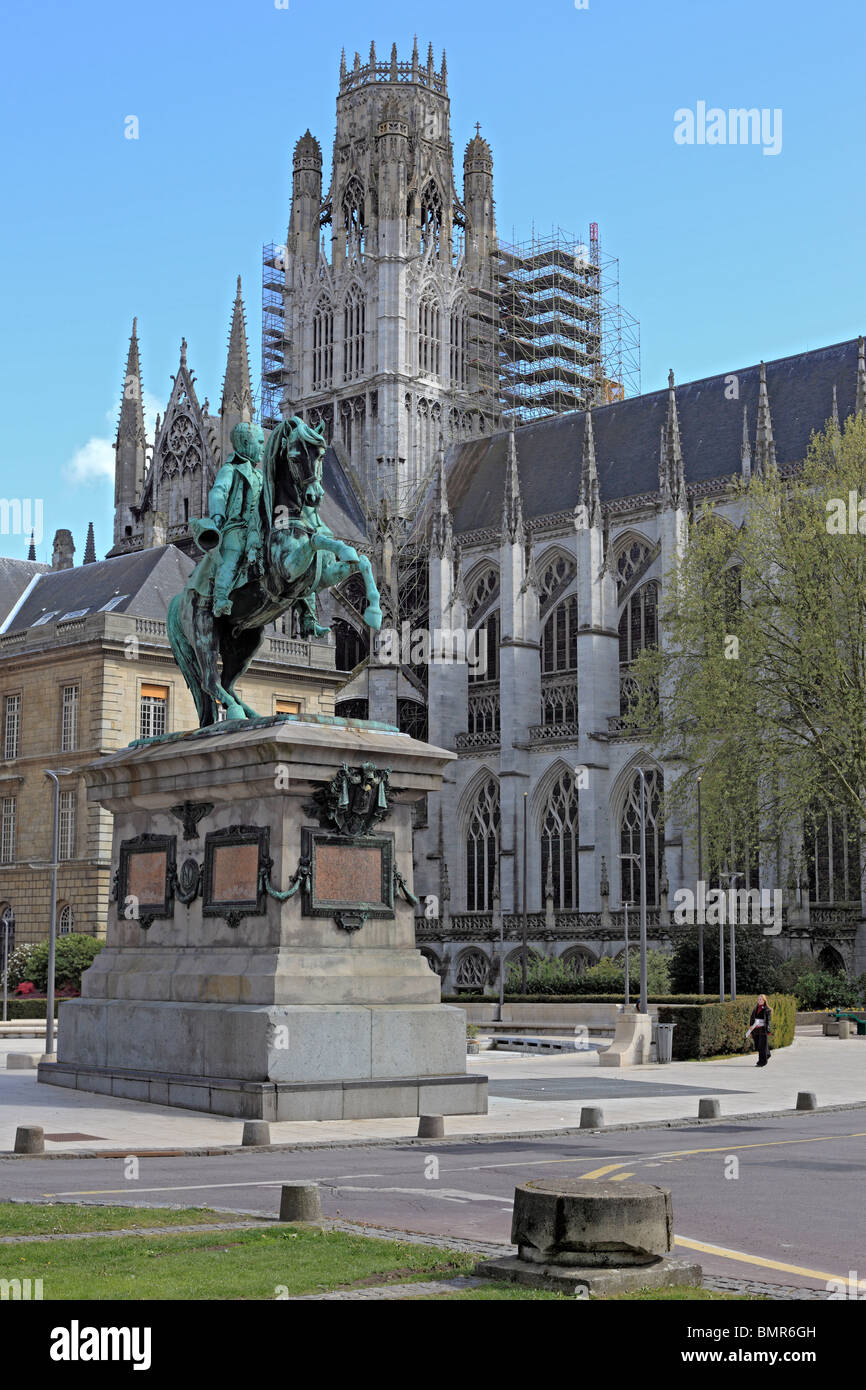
{"points": [[349, 873], [146, 877], [235, 873]]}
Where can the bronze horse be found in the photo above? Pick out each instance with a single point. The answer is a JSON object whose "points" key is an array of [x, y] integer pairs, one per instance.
{"points": [[300, 556]]}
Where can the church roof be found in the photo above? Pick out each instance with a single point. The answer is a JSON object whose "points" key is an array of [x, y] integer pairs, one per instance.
{"points": [[340, 508], [141, 583], [800, 391], [15, 575]]}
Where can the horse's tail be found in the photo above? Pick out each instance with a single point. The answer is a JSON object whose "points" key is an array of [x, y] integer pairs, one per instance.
{"points": [[185, 657]]}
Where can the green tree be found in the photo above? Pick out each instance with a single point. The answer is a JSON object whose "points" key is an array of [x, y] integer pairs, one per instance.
{"points": [[760, 683], [759, 965], [73, 954]]}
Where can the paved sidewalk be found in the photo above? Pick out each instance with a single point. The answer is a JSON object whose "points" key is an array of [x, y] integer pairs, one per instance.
{"points": [[527, 1094]]}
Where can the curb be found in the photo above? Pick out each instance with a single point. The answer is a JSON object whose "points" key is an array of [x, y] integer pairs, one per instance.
{"points": [[509, 1136]]}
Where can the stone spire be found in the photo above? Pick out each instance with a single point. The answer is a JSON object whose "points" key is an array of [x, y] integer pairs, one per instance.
{"points": [[31, 553], [442, 532], [130, 444], [745, 446], [860, 398], [765, 447], [372, 59], [673, 453], [89, 546], [415, 59], [237, 398], [589, 497], [444, 69], [342, 67], [393, 74], [512, 507]]}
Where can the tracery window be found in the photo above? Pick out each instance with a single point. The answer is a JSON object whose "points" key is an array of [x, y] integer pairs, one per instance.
{"points": [[832, 847], [354, 333], [629, 561], [654, 838], [557, 575], [431, 218], [323, 344], [482, 839], [429, 337], [559, 638], [459, 347], [559, 842], [353, 214]]}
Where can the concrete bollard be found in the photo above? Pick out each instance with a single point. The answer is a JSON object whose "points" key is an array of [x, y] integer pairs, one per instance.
{"points": [[21, 1061], [299, 1201], [431, 1126], [256, 1132], [844, 1028], [591, 1117], [806, 1100], [709, 1108], [30, 1139]]}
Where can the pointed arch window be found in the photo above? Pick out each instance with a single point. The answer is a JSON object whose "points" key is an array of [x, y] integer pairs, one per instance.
{"points": [[559, 841], [482, 840], [630, 559], [629, 834], [353, 214], [429, 336], [431, 218], [486, 650], [354, 332], [559, 638], [638, 624], [556, 576], [459, 347], [323, 344], [351, 647]]}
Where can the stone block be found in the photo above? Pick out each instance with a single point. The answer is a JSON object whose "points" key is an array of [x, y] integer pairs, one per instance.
{"points": [[22, 1061], [574, 1222], [709, 1108], [300, 1201]]}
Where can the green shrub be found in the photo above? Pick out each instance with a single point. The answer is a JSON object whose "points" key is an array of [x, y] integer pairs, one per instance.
{"points": [[758, 962], [712, 1030], [73, 954], [821, 989], [555, 977], [18, 1009]]}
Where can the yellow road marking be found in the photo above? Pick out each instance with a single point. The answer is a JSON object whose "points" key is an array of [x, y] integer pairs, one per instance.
{"points": [[741, 1258], [596, 1172], [668, 1153], [620, 1177]]}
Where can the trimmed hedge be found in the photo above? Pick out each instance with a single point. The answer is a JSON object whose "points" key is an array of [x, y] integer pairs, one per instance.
{"points": [[28, 1008], [711, 1030], [465, 998]]}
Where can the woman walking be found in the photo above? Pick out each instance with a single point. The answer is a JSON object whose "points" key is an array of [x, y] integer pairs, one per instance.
{"points": [[760, 1029]]}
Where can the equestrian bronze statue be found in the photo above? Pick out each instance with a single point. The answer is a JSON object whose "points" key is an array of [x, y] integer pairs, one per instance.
{"points": [[266, 551]]}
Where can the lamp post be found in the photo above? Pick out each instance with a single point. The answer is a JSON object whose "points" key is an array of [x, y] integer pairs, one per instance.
{"points": [[642, 1007], [523, 885], [700, 880], [7, 923], [730, 876], [635, 858], [52, 925]]}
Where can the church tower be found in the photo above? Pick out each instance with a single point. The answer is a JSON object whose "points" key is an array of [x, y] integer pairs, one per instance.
{"points": [[389, 278], [129, 447]]}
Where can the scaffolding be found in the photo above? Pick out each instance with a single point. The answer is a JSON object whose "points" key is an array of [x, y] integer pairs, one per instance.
{"points": [[565, 341], [274, 363]]}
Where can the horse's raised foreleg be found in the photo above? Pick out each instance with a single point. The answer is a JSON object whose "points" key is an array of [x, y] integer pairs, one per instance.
{"points": [[347, 561]]}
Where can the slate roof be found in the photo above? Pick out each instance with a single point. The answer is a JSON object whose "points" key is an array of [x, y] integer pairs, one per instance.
{"points": [[340, 508], [143, 583], [800, 391], [15, 575]]}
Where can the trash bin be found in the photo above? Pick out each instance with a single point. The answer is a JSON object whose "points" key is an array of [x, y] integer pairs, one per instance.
{"points": [[665, 1041]]}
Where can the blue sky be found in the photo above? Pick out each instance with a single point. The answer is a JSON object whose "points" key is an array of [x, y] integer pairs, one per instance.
{"points": [[726, 255]]}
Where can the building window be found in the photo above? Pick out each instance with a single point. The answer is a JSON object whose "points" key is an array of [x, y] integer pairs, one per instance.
{"points": [[638, 625], [323, 345], [832, 848], [66, 848], [429, 337], [431, 218], [7, 831], [69, 723], [353, 214], [631, 558], [286, 706], [482, 839], [486, 650], [350, 646], [459, 347], [352, 709], [152, 710], [559, 840], [558, 574], [559, 639], [354, 329], [654, 839], [65, 921], [13, 725]]}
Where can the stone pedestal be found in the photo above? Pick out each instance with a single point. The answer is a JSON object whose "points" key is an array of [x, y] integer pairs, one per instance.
{"points": [[212, 993]]}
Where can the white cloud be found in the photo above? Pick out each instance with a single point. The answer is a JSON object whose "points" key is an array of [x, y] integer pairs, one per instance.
{"points": [[94, 461]]}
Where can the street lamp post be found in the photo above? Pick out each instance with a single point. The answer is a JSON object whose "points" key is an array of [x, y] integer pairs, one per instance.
{"points": [[52, 925], [7, 927], [730, 876], [523, 885], [635, 858], [700, 880], [642, 1007]]}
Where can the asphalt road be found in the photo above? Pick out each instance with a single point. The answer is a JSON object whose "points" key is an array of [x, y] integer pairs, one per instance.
{"points": [[777, 1200]]}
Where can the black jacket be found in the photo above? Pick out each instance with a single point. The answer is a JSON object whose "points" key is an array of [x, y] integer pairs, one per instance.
{"points": [[764, 1012]]}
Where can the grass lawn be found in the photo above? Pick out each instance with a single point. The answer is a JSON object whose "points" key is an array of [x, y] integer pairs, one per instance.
{"points": [[60, 1218], [260, 1264]]}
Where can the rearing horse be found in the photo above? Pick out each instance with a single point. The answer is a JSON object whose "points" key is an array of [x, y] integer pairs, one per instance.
{"points": [[300, 557]]}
